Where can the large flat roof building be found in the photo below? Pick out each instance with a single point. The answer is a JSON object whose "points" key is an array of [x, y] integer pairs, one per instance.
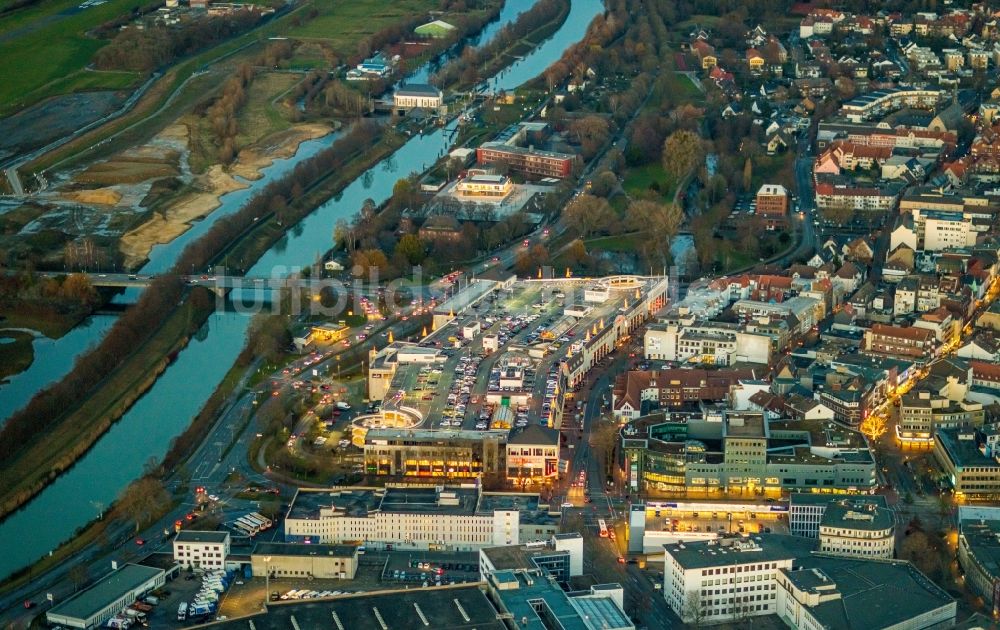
{"points": [[107, 597], [457, 518], [462, 607]]}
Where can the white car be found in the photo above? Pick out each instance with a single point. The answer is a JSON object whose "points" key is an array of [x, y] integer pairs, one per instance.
{"points": [[567, 504], [213, 497]]}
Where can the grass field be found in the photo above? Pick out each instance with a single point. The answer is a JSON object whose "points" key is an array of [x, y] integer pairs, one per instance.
{"points": [[49, 42], [343, 24], [618, 243], [639, 181], [260, 116]]}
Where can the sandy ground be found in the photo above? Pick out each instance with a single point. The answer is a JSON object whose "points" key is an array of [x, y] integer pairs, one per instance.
{"points": [[97, 196], [251, 161], [165, 227]]}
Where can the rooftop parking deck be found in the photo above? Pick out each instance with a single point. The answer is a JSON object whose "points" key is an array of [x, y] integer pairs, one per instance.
{"points": [[531, 326]]}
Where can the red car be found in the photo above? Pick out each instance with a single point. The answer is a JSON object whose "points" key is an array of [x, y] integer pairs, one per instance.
{"points": [[140, 541]]}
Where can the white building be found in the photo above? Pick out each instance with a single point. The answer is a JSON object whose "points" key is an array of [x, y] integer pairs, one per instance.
{"points": [[417, 95], [710, 582], [712, 343], [201, 550], [456, 518], [945, 230], [862, 530], [733, 580], [806, 510]]}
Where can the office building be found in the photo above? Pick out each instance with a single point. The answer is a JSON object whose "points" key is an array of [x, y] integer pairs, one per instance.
{"points": [[717, 450], [969, 462], [201, 550], [442, 518], [737, 579], [707, 343], [806, 510], [532, 599], [561, 557], [979, 552], [773, 202], [862, 530]]}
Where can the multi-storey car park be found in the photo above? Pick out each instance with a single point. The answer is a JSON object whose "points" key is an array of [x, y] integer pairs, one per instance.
{"points": [[485, 391]]}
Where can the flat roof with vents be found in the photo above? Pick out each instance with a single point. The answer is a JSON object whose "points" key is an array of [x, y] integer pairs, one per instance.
{"points": [[455, 608]]}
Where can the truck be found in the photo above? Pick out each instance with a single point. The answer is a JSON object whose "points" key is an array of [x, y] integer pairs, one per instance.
{"points": [[202, 609], [182, 611]]}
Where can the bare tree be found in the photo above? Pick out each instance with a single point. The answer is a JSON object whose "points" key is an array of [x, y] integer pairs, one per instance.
{"points": [[693, 611], [141, 500]]}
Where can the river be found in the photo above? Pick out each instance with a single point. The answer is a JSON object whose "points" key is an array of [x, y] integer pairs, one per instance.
{"points": [[167, 409], [55, 357]]}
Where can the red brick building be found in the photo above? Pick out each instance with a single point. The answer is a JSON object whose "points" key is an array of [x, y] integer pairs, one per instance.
{"points": [[773, 202]]}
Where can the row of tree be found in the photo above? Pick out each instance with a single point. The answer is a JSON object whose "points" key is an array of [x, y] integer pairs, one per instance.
{"points": [[155, 46], [222, 113], [280, 196], [128, 333], [468, 68]]}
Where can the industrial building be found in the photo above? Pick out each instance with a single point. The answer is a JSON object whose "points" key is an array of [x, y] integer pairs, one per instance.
{"points": [[293, 560], [107, 597]]}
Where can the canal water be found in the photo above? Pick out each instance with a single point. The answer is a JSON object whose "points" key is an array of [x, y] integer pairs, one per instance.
{"points": [[55, 357], [167, 409]]}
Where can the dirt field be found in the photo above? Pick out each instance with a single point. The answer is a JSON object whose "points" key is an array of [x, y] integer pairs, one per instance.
{"points": [[41, 124], [95, 196]]}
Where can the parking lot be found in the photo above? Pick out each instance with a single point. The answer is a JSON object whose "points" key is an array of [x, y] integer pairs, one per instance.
{"points": [[418, 568]]}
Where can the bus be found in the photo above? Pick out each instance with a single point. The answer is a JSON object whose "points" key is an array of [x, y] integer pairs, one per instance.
{"points": [[603, 526], [251, 526], [242, 530], [265, 523], [250, 518]]}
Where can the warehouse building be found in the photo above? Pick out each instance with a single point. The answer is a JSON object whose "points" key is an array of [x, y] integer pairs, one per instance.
{"points": [[111, 594], [308, 561]]}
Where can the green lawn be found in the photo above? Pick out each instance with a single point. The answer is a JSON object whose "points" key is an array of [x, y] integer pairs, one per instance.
{"points": [[49, 42], [618, 243], [639, 182], [343, 24]]}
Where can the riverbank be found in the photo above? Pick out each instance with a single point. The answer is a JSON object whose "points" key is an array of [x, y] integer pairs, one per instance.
{"points": [[16, 353], [68, 438], [269, 230], [166, 225]]}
